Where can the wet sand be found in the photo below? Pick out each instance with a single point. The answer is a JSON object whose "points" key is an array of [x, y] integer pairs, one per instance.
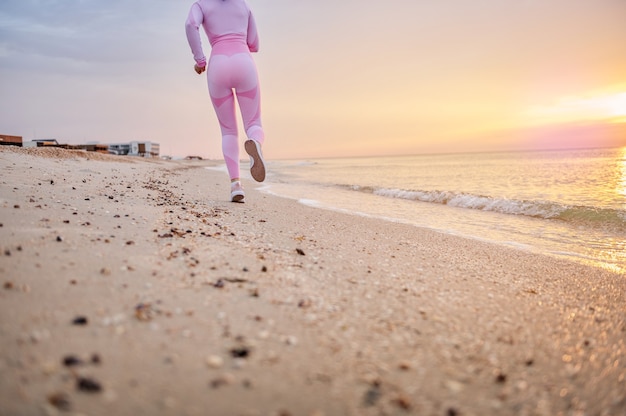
{"points": [[133, 286]]}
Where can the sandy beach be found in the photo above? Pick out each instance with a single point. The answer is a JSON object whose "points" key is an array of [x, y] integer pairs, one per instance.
{"points": [[134, 287]]}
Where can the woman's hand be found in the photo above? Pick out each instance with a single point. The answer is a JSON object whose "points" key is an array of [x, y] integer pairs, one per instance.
{"points": [[199, 69]]}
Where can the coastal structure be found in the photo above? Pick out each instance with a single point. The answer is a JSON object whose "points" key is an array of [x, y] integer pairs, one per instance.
{"points": [[41, 143], [7, 140], [134, 148], [145, 149]]}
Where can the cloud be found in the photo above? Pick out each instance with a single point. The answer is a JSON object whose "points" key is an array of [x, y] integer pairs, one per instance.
{"points": [[71, 34]]}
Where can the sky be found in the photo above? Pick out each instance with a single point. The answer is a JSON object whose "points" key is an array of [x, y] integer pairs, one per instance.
{"points": [[338, 78]]}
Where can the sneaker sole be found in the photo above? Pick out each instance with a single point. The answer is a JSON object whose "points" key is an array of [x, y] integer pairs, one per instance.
{"points": [[237, 197], [257, 166]]}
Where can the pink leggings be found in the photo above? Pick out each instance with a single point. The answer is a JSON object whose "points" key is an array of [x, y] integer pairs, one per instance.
{"points": [[235, 71]]}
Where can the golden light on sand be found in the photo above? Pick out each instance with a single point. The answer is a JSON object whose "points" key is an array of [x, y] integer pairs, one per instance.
{"points": [[622, 183]]}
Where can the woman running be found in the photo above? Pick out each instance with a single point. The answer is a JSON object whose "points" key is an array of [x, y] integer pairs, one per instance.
{"points": [[232, 33]]}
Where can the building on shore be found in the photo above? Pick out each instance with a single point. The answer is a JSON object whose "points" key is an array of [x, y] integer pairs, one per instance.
{"points": [[145, 149], [6, 140], [42, 143], [134, 148]]}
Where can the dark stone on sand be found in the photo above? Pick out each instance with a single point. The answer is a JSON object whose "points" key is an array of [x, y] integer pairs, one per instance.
{"points": [[501, 378], [71, 361], [88, 385], [80, 320], [240, 352], [300, 251], [59, 238], [372, 395]]}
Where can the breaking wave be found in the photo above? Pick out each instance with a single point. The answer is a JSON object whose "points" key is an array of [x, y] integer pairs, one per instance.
{"points": [[596, 217]]}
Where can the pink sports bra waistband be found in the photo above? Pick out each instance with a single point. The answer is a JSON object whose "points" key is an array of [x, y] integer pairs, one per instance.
{"points": [[229, 44]]}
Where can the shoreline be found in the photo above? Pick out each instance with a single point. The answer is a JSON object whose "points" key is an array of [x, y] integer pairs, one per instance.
{"points": [[273, 307]]}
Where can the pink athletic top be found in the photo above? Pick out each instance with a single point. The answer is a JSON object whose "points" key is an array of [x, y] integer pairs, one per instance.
{"points": [[229, 25]]}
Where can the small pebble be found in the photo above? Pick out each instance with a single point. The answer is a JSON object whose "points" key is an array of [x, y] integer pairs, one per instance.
{"points": [[291, 340], [403, 402], [61, 401], [59, 238], [240, 352], [71, 361], [80, 320], [300, 251], [144, 312], [372, 395], [88, 385], [501, 378], [404, 366], [49, 368], [214, 361], [225, 380]]}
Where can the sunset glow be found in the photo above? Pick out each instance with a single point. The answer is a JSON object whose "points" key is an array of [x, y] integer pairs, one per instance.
{"points": [[606, 107], [337, 78]]}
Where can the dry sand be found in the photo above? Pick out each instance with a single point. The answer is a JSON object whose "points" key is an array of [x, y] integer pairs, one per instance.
{"points": [[133, 287]]}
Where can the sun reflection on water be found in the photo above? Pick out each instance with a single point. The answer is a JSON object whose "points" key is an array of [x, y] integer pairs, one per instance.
{"points": [[622, 183]]}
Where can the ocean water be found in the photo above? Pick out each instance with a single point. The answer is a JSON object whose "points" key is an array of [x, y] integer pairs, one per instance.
{"points": [[566, 203]]}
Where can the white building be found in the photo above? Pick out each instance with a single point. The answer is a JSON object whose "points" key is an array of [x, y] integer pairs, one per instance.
{"points": [[145, 149]]}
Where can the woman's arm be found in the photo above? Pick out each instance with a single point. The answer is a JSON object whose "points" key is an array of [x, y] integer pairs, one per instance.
{"points": [[253, 36], [192, 26]]}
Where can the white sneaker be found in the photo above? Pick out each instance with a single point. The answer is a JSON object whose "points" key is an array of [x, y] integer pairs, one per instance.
{"points": [[236, 192], [257, 165]]}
